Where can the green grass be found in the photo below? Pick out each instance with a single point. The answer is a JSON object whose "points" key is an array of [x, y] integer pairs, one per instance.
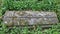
{"points": [[29, 4], [35, 5]]}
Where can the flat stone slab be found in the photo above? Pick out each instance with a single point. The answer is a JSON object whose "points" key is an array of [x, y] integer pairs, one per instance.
{"points": [[29, 18]]}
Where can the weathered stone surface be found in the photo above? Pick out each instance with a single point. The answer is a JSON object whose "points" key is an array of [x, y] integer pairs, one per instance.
{"points": [[29, 18]]}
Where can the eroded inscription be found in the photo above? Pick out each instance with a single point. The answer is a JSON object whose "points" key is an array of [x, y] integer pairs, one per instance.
{"points": [[29, 18]]}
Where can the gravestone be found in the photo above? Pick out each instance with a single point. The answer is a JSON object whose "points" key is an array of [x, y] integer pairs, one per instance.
{"points": [[17, 18]]}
